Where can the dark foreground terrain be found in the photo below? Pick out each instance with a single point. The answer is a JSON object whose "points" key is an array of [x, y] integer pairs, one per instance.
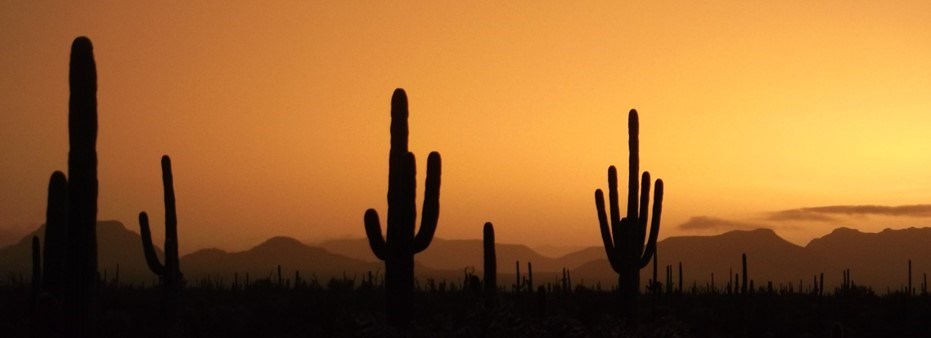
{"points": [[346, 308]]}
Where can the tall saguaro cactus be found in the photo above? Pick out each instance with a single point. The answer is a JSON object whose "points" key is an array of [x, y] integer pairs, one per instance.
{"points": [[624, 237], [400, 245], [170, 272], [82, 186]]}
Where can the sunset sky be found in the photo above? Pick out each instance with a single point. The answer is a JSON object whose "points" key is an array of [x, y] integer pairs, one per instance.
{"points": [[276, 113]]}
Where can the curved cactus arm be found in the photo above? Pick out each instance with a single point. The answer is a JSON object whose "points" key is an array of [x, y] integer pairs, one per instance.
{"points": [[373, 232], [643, 216], [150, 257], [654, 224], [613, 200], [431, 204], [605, 232]]}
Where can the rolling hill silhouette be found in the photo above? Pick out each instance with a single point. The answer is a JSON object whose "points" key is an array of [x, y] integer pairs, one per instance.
{"points": [[116, 245], [262, 260], [875, 259]]}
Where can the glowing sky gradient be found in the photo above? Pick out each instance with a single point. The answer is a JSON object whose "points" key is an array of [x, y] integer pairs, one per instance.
{"points": [[276, 113]]}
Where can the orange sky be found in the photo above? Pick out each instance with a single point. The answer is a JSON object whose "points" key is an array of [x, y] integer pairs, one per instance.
{"points": [[276, 115]]}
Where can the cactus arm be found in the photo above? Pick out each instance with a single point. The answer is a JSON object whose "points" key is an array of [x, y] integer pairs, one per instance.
{"points": [[614, 204], [643, 215], [605, 232], [431, 204], [654, 224], [373, 232], [147, 248]]}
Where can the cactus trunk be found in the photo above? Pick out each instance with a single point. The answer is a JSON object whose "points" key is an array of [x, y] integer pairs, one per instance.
{"points": [[400, 245], [82, 187]]}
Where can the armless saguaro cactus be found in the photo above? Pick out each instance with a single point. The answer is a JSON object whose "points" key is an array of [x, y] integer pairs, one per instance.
{"points": [[400, 245], [82, 187], [491, 262], [624, 240], [169, 273], [56, 234]]}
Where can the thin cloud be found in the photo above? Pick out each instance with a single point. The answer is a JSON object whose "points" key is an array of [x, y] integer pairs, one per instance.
{"points": [[705, 223], [827, 213]]}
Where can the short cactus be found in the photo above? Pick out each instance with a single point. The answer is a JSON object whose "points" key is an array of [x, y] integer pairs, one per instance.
{"points": [[491, 262], [56, 234], [400, 245], [169, 273]]}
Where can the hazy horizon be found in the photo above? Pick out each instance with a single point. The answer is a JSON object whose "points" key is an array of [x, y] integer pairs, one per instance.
{"points": [[796, 116]]}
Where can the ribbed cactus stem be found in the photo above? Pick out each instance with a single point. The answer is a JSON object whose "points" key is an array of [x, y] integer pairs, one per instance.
{"points": [[401, 243], [624, 237], [56, 234], [491, 261], [82, 187]]}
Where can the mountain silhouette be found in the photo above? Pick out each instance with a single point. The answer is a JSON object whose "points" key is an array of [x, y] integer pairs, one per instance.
{"points": [[116, 245], [447, 254], [262, 261], [878, 260]]}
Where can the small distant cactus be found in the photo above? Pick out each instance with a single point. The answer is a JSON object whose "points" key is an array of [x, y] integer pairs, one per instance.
{"points": [[491, 261], [170, 272], [398, 248], [624, 237]]}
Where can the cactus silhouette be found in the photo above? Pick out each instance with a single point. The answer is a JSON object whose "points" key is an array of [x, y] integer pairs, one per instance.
{"points": [[401, 243], [491, 262], [82, 187], [624, 237], [56, 234], [170, 272]]}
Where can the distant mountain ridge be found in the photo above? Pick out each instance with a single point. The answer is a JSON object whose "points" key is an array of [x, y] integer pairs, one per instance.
{"points": [[875, 259]]}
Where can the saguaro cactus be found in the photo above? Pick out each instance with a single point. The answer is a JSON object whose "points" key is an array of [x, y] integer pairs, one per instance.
{"points": [[491, 262], [82, 186], [401, 244], [56, 234], [624, 240], [170, 272]]}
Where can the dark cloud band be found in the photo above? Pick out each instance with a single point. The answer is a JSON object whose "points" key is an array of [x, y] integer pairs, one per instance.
{"points": [[827, 213]]}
